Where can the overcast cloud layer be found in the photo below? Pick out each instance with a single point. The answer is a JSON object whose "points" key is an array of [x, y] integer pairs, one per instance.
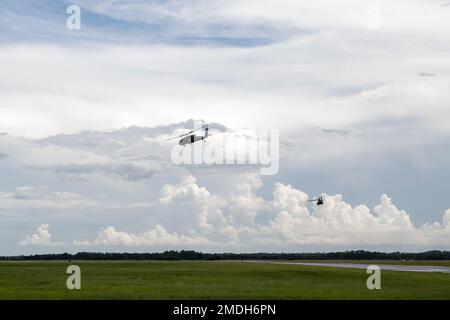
{"points": [[362, 113]]}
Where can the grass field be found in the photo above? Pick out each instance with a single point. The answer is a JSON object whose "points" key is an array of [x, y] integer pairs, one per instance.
{"points": [[211, 280]]}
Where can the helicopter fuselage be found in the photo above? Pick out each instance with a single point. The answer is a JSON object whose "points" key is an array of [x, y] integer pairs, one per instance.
{"points": [[190, 139]]}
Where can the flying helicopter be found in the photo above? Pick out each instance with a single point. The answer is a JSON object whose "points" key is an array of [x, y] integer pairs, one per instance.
{"points": [[190, 137], [318, 201]]}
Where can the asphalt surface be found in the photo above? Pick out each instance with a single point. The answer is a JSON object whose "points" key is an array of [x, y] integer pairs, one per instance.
{"points": [[406, 268]]}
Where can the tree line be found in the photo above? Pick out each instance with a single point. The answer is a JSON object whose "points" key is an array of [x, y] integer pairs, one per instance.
{"points": [[194, 255]]}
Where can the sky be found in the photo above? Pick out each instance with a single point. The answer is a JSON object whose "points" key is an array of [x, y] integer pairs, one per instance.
{"points": [[358, 91]]}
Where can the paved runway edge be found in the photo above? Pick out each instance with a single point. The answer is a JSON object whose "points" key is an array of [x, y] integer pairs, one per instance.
{"points": [[403, 268]]}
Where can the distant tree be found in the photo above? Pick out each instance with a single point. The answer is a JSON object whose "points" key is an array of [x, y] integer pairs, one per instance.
{"points": [[194, 255]]}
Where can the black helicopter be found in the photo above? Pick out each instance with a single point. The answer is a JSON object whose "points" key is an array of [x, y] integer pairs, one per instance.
{"points": [[318, 201], [190, 137]]}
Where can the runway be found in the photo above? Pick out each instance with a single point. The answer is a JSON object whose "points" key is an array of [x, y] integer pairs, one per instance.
{"points": [[387, 267]]}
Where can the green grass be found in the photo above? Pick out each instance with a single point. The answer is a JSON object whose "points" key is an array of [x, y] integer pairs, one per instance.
{"points": [[211, 280]]}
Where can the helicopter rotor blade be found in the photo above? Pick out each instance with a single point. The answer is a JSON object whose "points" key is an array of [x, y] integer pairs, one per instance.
{"points": [[179, 136], [187, 133]]}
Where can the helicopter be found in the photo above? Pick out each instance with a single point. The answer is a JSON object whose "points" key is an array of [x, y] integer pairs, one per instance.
{"points": [[318, 201], [190, 137]]}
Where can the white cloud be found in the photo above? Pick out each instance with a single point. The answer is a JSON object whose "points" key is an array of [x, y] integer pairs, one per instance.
{"points": [[292, 220], [446, 219], [157, 236], [337, 223], [187, 189], [187, 192], [42, 237], [135, 85], [244, 204], [436, 233], [201, 16]]}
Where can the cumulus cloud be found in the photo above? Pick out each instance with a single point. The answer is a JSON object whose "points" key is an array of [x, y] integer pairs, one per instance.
{"points": [[206, 206], [187, 189], [446, 219], [42, 237], [338, 223], [292, 221], [157, 236], [244, 203]]}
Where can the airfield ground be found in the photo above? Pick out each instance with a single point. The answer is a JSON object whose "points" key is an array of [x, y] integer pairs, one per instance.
{"points": [[213, 280]]}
